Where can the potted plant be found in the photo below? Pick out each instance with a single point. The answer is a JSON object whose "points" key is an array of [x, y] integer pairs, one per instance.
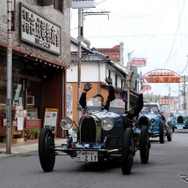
{"points": [[26, 133], [34, 133]]}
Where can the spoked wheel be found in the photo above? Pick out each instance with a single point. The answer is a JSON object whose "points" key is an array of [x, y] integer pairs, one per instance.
{"points": [[144, 145], [161, 133], [127, 151], [46, 150]]}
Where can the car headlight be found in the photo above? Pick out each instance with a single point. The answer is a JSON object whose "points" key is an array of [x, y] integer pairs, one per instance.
{"points": [[66, 123], [153, 121], [107, 124]]}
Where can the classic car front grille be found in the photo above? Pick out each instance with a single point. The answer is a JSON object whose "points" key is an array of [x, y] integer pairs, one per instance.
{"points": [[180, 119], [88, 130]]}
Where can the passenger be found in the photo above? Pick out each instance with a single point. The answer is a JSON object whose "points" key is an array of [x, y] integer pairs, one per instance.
{"points": [[166, 126], [111, 95], [137, 108]]}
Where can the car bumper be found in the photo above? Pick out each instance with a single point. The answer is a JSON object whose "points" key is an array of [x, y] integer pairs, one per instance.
{"points": [[180, 126], [88, 152]]}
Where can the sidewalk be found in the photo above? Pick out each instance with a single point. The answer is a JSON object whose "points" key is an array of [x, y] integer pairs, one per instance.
{"points": [[25, 147]]}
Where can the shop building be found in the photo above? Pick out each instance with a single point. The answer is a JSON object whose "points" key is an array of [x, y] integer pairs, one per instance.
{"points": [[40, 58]]}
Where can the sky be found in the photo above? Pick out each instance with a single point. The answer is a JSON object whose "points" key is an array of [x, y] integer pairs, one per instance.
{"points": [[155, 30]]}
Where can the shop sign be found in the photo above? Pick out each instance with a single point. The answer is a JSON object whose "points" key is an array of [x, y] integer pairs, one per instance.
{"points": [[162, 79], [38, 31], [165, 101], [146, 87], [138, 62], [162, 76], [83, 4]]}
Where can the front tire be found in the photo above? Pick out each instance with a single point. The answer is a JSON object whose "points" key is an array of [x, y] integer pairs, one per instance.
{"points": [[161, 133], [127, 152], [144, 145], [170, 134], [46, 150]]}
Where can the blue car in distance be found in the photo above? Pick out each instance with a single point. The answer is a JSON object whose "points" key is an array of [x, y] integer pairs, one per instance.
{"points": [[150, 116], [178, 120]]}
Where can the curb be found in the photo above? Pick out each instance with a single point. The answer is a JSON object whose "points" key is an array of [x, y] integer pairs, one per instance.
{"points": [[26, 148]]}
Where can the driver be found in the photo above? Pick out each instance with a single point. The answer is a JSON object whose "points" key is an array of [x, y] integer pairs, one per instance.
{"points": [[111, 95]]}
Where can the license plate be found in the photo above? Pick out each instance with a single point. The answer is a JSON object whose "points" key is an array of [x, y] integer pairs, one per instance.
{"points": [[87, 156], [179, 128]]}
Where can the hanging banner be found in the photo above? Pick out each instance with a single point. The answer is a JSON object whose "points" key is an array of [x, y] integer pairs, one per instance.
{"points": [[50, 118], [162, 76]]}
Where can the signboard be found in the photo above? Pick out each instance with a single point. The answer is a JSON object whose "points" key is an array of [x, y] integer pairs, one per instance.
{"points": [[138, 62], [45, 2], [38, 31], [165, 101], [50, 118], [165, 79], [83, 3], [146, 87], [162, 76]]}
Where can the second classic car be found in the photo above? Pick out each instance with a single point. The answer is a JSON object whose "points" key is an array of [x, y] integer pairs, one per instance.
{"points": [[157, 127]]}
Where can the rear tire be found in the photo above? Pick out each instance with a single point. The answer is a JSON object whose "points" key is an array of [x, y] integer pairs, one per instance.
{"points": [[127, 152], [144, 145], [46, 150]]}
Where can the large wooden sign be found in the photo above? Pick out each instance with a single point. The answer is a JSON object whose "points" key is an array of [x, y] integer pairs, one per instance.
{"points": [[162, 76]]}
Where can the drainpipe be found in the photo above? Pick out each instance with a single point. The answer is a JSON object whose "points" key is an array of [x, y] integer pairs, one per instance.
{"points": [[99, 78]]}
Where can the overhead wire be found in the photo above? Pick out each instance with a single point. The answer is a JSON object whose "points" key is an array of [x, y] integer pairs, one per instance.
{"points": [[175, 35]]}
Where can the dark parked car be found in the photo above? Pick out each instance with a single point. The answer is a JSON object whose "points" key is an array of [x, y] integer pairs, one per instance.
{"points": [[101, 135], [152, 118]]}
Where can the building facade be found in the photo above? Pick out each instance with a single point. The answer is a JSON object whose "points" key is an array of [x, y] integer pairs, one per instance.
{"points": [[40, 58], [95, 67]]}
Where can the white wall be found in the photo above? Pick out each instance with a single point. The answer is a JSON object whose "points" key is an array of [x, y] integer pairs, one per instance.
{"points": [[89, 72]]}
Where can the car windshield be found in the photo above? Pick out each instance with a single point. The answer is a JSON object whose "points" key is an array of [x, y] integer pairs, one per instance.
{"points": [[154, 110], [116, 105], [151, 107]]}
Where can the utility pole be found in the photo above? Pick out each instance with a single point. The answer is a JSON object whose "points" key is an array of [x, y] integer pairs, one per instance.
{"points": [[184, 93], [80, 40], [129, 79], [9, 78]]}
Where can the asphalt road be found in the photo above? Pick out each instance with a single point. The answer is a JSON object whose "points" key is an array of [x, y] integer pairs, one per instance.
{"points": [[167, 168]]}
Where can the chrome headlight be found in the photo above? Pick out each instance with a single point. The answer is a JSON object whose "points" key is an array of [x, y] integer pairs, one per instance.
{"points": [[153, 121], [107, 124], [66, 123]]}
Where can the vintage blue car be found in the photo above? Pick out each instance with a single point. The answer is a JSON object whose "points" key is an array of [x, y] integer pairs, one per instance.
{"points": [[101, 135], [152, 118], [178, 121]]}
